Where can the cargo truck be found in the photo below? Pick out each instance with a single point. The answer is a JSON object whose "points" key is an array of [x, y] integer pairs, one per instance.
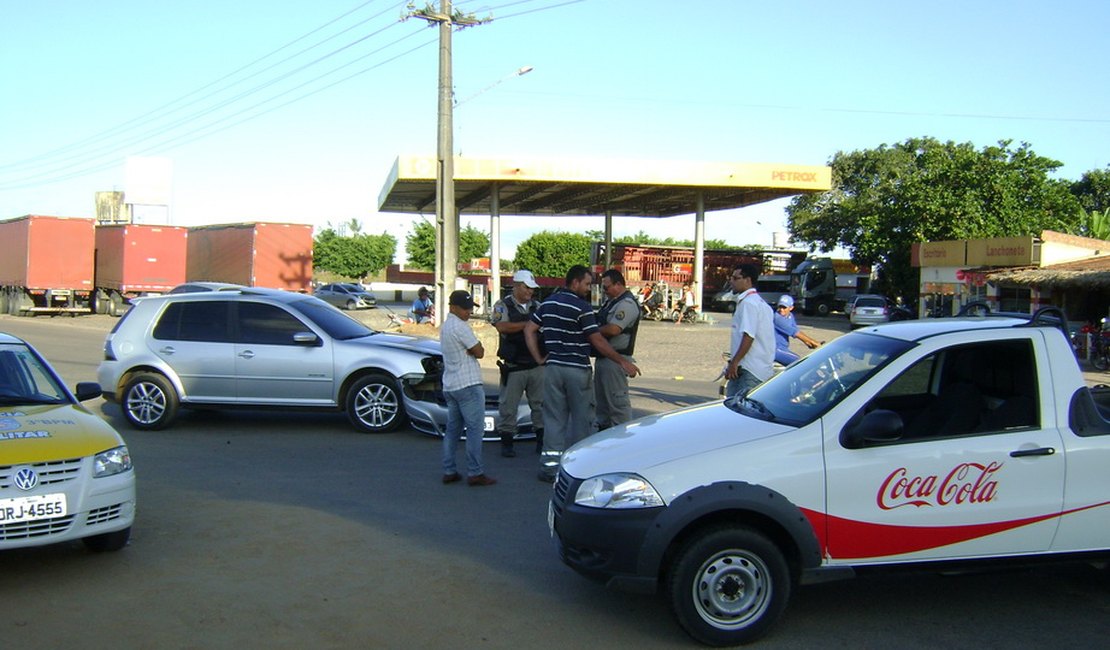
{"points": [[271, 255], [820, 285], [47, 265], [137, 260]]}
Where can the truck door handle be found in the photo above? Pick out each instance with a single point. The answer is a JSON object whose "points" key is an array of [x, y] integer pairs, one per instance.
{"points": [[1039, 451], [246, 354], [167, 350]]}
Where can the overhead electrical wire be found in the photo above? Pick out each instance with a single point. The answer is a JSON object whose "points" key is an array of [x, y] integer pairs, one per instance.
{"points": [[159, 111], [86, 163]]}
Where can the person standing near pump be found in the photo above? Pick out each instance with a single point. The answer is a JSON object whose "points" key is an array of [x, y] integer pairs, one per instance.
{"points": [[619, 319], [569, 327], [785, 327], [520, 374], [463, 391], [752, 341]]}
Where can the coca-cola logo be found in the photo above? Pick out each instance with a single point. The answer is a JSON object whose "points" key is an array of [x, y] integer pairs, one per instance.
{"points": [[966, 483]]}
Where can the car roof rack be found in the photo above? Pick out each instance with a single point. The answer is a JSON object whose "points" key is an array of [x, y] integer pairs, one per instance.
{"points": [[1049, 315]]}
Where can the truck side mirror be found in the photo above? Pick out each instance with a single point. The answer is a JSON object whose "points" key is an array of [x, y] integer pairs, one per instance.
{"points": [[878, 426]]}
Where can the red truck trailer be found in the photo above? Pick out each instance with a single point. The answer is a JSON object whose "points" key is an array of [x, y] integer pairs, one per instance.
{"points": [[273, 255], [135, 260], [46, 266]]}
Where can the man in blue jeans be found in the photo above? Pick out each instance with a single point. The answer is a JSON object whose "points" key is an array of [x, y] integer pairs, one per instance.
{"points": [[463, 391]]}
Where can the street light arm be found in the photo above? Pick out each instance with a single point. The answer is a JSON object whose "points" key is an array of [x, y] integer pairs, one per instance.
{"points": [[523, 70]]}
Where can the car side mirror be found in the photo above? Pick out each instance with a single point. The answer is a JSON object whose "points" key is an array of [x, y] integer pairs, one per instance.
{"points": [[306, 338], [86, 390], [878, 426]]}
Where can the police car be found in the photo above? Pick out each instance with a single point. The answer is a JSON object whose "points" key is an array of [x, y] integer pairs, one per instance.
{"points": [[942, 442], [65, 474]]}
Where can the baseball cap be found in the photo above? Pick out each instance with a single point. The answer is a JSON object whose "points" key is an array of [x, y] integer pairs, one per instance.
{"points": [[786, 301], [527, 278], [462, 299]]}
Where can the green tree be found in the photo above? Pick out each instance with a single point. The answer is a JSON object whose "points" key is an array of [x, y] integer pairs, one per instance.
{"points": [[642, 238], [1093, 190], [883, 200], [356, 256], [1094, 224], [551, 254], [420, 244]]}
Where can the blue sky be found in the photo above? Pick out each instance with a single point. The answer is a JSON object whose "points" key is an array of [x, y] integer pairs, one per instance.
{"points": [[87, 84]]}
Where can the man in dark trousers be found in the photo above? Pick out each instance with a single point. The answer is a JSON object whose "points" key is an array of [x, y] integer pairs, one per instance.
{"points": [[569, 328], [520, 374]]}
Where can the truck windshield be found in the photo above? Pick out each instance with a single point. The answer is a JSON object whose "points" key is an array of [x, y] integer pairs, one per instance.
{"points": [[810, 387]]}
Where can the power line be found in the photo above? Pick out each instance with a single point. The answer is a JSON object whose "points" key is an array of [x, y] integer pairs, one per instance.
{"points": [[176, 141], [161, 111]]}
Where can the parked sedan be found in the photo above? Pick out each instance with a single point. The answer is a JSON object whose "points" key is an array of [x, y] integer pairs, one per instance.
{"points": [[869, 309], [65, 474], [346, 296]]}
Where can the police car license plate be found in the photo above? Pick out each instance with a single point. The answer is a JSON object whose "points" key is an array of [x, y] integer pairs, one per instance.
{"points": [[489, 423], [43, 506]]}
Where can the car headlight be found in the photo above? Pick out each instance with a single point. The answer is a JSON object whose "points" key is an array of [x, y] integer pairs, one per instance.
{"points": [[617, 491], [111, 462]]}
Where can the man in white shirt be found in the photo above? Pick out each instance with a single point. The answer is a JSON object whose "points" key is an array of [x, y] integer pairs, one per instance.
{"points": [[463, 391], [752, 344]]}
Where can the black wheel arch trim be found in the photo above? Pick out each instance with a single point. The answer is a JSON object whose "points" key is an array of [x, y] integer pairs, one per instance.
{"points": [[711, 501]]}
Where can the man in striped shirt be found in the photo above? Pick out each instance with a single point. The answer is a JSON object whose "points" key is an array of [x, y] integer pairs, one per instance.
{"points": [[569, 328]]}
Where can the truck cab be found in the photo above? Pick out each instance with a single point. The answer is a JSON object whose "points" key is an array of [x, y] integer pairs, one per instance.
{"points": [[926, 443]]}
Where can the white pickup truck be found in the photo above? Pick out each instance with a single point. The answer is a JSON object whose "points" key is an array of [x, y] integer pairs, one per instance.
{"points": [[935, 442]]}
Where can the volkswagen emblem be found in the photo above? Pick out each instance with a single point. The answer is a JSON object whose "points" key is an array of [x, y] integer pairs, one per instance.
{"points": [[26, 479]]}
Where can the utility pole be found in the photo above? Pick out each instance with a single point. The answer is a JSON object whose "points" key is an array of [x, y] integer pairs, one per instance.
{"points": [[447, 218]]}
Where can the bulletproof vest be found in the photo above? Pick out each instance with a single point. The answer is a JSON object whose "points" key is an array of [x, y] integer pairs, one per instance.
{"points": [[607, 308], [512, 347]]}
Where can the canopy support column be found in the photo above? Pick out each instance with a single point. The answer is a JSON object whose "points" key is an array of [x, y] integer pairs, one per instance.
{"points": [[608, 239], [699, 248], [495, 247]]}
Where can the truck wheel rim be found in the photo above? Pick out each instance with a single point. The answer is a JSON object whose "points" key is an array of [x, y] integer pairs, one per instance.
{"points": [[376, 405], [732, 589], [146, 403]]}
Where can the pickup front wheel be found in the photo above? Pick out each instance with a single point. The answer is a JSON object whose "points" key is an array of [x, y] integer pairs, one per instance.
{"points": [[728, 586]]}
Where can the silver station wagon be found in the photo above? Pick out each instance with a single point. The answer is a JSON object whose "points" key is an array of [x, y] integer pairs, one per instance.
{"points": [[266, 348]]}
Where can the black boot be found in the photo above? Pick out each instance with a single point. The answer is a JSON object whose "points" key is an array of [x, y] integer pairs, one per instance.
{"points": [[539, 440], [507, 445]]}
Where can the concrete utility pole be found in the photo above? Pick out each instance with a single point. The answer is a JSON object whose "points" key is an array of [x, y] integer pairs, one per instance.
{"points": [[447, 218]]}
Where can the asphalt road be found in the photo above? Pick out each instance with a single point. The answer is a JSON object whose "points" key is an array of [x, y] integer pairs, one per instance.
{"points": [[289, 530]]}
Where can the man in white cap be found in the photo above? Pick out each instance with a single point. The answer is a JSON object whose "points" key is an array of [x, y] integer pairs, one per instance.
{"points": [[520, 373], [786, 327]]}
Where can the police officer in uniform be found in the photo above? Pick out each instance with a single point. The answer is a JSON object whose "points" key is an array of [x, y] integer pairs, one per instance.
{"points": [[520, 374], [619, 319]]}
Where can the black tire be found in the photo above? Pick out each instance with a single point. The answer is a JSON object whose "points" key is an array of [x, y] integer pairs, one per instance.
{"points": [[352, 305], [149, 402], [823, 309], [115, 305], [1100, 360], [728, 586], [105, 542], [730, 306], [375, 405]]}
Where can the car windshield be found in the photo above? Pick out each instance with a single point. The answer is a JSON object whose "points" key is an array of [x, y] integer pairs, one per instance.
{"points": [[24, 379], [337, 324], [811, 386]]}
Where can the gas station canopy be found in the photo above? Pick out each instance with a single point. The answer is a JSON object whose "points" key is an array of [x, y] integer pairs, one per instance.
{"points": [[638, 188]]}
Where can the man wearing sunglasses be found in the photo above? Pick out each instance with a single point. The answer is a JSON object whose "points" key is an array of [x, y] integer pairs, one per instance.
{"points": [[752, 343]]}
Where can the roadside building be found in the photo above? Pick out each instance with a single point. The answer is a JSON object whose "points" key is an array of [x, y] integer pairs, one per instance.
{"points": [[1016, 274]]}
